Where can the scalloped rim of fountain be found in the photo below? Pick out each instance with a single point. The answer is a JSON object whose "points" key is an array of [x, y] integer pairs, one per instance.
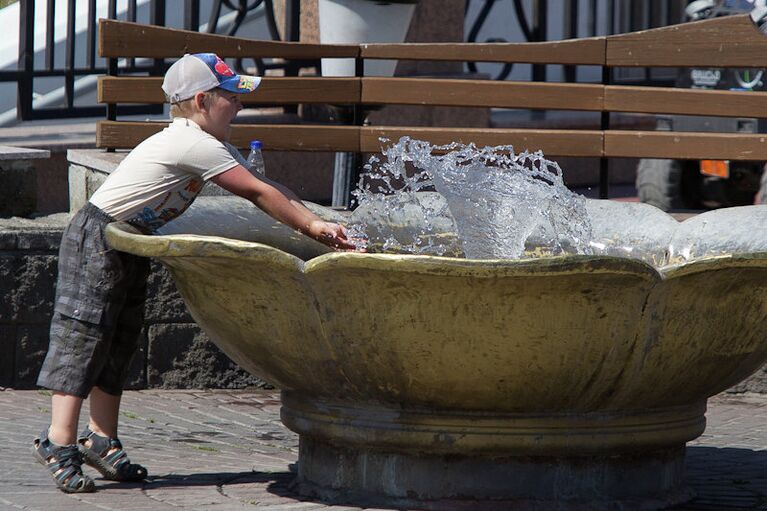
{"points": [[124, 237]]}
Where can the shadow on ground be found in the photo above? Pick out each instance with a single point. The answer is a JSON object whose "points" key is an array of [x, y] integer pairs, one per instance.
{"points": [[726, 478], [206, 479]]}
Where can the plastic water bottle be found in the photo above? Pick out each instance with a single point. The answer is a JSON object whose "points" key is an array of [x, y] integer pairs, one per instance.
{"points": [[255, 158]]}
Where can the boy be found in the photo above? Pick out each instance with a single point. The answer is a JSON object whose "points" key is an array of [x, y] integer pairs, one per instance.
{"points": [[98, 310]]}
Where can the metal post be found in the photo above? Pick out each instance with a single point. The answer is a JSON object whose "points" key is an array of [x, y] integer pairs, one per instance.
{"points": [[91, 52], [292, 20], [570, 30], [111, 71], [592, 23], [192, 15], [157, 17], [26, 59], [604, 176], [346, 173], [111, 107], [50, 28], [292, 33], [69, 77], [539, 31]]}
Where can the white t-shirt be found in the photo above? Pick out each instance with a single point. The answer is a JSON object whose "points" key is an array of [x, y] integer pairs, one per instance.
{"points": [[162, 176]]}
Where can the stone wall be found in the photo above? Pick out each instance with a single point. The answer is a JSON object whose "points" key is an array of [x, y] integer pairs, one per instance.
{"points": [[173, 353]]}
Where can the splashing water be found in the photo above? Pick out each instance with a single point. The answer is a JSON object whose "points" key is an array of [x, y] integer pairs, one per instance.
{"points": [[501, 204]]}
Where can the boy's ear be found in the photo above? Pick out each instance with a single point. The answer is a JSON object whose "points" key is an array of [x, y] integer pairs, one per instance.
{"points": [[199, 100]]}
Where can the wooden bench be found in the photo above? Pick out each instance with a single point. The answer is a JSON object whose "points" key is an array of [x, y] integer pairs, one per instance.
{"points": [[733, 42]]}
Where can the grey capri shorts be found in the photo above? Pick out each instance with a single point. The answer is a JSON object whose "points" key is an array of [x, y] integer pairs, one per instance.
{"points": [[98, 312]]}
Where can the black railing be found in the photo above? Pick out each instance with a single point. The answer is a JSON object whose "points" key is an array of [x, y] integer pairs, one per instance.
{"points": [[580, 18], [89, 63]]}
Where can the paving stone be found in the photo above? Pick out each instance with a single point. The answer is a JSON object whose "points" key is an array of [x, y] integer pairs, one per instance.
{"points": [[227, 451]]}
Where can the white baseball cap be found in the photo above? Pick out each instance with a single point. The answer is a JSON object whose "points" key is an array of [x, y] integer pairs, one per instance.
{"points": [[200, 72]]}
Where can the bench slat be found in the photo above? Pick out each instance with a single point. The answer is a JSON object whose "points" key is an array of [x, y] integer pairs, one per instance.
{"points": [[579, 143], [277, 137], [728, 41], [481, 93], [469, 93], [273, 90], [126, 39], [682, 145], [586, 51], [685, 101], [551, 142]]}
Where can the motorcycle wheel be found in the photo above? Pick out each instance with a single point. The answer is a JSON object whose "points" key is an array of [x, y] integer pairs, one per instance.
{"points": [[761, 195]]}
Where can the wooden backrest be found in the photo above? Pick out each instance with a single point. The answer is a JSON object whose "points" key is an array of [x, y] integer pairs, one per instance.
{"points": [[733, 42]]}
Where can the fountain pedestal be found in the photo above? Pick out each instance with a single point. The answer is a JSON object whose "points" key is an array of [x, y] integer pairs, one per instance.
{"points": [[387, 456]]}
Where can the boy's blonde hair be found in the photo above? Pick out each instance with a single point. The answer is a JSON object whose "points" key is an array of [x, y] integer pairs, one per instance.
{"points": [[186, 108]]}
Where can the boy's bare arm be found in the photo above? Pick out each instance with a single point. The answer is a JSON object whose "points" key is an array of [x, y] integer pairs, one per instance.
{"points": [[285, 207]]}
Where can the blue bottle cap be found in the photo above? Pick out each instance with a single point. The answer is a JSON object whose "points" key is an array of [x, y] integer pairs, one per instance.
{"points": [[256, 144]]}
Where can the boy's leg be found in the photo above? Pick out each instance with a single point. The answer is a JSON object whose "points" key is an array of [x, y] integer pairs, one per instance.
{"points": [[99, 443], [107, 391], [104, 412], [65, 413]]}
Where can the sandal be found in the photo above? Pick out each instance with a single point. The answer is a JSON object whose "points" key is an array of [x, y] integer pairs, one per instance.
{"points": [[64, 463], [114, 466]]}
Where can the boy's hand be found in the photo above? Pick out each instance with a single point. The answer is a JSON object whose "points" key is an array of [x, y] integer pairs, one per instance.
{"points": [[333, 235]]}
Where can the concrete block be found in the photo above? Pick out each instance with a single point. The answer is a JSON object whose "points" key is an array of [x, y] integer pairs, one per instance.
{"points": [[8, 240], [35, 285], [9, 266], [78, 187], [164, 303], [22, 153], [182, 356], [31, 347], [8, 358], [52, 184], [18, 188], [42, 240], [94, 179]]}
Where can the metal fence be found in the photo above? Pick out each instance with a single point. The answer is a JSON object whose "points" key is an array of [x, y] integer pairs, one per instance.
{"points": [[578, 18], [91, 65]]}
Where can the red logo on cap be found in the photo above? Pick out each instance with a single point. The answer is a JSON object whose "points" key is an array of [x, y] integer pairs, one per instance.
{"points": [[222, 68]]}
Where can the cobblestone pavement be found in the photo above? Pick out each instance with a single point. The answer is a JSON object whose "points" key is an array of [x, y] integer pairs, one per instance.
{"points": [[228, 450]]}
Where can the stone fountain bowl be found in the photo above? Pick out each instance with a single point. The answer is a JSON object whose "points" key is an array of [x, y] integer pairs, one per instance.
{"points": [[532, 381]]}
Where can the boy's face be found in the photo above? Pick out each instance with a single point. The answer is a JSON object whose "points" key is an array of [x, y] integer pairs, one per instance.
{"points": [[223, 107]]}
